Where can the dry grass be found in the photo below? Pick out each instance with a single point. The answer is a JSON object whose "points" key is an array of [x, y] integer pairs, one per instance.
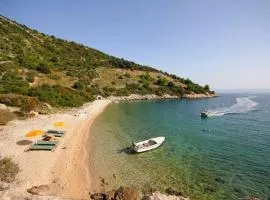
{"points": [[109, 75], [8, 170], [57, 78], [6, 116]]}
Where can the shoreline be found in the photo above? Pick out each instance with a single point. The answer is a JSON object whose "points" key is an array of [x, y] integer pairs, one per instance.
{"points": [[133, 97], [67, 171]]}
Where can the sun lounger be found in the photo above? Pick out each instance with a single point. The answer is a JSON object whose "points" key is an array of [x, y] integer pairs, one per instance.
{"points": [[55, 132], [41, 142], [42, 147], [55, 135]]}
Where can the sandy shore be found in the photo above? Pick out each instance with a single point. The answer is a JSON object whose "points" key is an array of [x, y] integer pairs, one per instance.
{"points": [[64, 171]]}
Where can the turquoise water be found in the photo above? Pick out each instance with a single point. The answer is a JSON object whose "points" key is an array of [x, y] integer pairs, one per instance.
{"points": [[224, 157]]}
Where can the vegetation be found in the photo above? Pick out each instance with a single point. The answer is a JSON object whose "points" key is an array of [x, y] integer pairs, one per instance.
{"points": [[8, 169], [63, 73]]}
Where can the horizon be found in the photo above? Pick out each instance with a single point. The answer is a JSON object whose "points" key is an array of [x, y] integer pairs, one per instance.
{"points": [[240, 91], [195, 35]]}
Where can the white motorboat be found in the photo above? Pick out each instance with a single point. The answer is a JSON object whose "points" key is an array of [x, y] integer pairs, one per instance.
{"points": [[205, 114], [147, 145]]}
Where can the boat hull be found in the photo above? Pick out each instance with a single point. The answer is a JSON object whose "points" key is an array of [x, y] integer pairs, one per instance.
{"points": [[139, 147], [204, 115]]}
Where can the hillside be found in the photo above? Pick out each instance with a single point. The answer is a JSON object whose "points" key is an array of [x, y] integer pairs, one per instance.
{"points": [[36, 68]]}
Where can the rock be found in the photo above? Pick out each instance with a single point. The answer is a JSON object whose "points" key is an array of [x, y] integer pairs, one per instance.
{"points": [[127, 193], [4, 186], [99, 97], [98, 196], [159, 196], [174, 192], [110, 195], [33, 113], [3, 106], [199, 96], [38, 190], [123, 193], [44, 108]]}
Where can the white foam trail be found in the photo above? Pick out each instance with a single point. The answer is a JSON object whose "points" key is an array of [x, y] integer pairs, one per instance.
{"points": [[243, 105]]}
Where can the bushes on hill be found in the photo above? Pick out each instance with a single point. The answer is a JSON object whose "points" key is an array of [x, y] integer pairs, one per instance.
{"points": [[57, 95], [78, 85], [30, 76], [162, 82], [12, 82], [43, 69], [23, 48]]}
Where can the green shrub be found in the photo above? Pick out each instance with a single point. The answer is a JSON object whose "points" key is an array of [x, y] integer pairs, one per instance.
{"points": [[57, 95], [78, 85], [43, 69], [30, 76], [162, 82], [206, 88], [12, 82]]}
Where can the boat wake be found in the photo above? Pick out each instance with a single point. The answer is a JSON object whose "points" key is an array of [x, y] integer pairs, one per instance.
{"points": [[243, 105]]}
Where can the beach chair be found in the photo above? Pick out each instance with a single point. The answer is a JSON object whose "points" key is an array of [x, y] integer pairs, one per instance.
{"points": [[53, 134], [42, 142], [56, 132], [43, 145]]}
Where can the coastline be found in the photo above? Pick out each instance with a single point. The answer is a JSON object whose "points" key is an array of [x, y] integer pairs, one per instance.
{"points": [[66, 172], [154, 96]]}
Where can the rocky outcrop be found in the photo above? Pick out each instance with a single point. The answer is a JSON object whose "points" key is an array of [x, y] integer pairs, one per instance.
{"points": [[199, 96], [123, 193], [141, 97], [160, 196], [38, 190], [130, 193]]}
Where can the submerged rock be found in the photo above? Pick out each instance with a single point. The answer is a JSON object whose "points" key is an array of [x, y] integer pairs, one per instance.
{"points": [[127, 193], [131, 193], [123, 193], [160, 196]]}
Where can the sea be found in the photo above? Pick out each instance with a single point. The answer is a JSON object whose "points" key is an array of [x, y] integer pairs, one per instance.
{"points": [[225, 156]]}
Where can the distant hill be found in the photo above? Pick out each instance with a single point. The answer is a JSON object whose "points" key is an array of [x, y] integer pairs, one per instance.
{"points": [[35, 67]]}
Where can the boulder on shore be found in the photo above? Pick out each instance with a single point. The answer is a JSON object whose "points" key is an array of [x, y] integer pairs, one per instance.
{"points": [[123, 193]]}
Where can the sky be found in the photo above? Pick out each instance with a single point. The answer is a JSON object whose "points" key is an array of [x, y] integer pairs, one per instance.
{"points": [[224, 43]]}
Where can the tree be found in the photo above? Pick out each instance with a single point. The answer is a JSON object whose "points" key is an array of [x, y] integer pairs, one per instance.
{"points": [[78, 85], [206, 87], [162, 82], [43, 69]]}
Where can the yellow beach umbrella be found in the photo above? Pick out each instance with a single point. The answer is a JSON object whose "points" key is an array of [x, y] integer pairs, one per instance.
{"points": [[34, 133], [59, 124]]}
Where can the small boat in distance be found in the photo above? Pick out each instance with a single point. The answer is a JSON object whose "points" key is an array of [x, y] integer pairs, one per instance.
{"points": [[204, 114], [147, 145]]}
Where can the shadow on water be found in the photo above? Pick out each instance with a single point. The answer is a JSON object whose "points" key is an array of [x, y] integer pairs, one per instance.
{"points": [[127, 150]]}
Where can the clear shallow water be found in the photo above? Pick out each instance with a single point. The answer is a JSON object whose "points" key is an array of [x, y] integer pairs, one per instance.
{"points": [[224, 157]]}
